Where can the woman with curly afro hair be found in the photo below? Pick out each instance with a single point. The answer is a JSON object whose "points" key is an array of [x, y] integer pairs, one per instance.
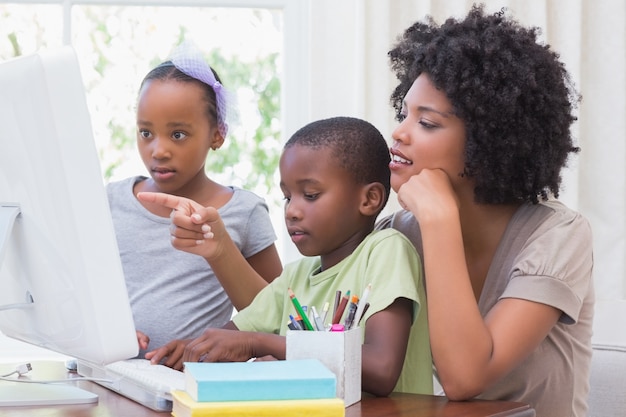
{"points": [[485, 112]]}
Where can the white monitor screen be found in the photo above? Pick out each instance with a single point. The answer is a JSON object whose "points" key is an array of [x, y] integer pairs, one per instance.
{"points": [[61, 280]]}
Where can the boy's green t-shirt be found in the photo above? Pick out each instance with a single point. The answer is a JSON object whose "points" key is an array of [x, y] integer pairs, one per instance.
{"points": [[387, 260]]}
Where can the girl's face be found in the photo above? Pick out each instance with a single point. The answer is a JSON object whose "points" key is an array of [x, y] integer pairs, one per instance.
{"points": [[174, 134], [429, 136], [322, 203]]}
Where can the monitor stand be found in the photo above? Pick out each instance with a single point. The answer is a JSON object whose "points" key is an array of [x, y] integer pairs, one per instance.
{"points": [[18, 394]]}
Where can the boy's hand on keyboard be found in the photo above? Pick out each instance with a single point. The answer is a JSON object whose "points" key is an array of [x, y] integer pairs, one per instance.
{"points": [[225, 345], [170, 354], [219, 345], [142, 340]]}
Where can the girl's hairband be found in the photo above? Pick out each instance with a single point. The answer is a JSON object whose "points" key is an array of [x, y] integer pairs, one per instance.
{"points": [[188, 59]]}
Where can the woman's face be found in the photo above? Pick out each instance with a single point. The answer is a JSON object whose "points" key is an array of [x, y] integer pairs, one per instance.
{"points": [[429, 136]]}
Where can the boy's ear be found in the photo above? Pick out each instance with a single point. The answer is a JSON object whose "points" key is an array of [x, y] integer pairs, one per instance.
{"points": [[217, 140], [373, 199]]}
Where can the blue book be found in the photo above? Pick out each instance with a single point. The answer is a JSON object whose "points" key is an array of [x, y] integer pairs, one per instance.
{"points": [[265, 380]]}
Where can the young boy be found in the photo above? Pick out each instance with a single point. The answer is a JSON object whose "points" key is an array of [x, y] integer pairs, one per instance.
{"points": [[335, 179]]}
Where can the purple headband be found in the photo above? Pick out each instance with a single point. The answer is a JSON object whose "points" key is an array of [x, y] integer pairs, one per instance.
{"points": [[188, 59]]}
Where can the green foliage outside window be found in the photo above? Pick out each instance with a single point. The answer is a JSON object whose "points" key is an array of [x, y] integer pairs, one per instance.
{"points": [[250, 154]]}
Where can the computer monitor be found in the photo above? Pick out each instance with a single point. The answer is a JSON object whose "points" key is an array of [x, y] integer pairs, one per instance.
{"points": [[61, 280]]}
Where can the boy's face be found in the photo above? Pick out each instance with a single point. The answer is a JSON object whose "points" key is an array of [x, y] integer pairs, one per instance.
{"points": [[321, 203]]}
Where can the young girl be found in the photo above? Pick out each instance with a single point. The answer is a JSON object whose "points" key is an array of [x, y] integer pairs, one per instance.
{"points": [[485, 112], [181, 117], [335, 179]]}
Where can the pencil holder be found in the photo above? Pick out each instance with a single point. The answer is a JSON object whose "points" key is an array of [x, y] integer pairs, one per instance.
{"points": [[338, 351]]}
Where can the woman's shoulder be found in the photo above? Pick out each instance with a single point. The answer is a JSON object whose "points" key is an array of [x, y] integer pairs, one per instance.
{"points": [[553, 216], [400, 219]]}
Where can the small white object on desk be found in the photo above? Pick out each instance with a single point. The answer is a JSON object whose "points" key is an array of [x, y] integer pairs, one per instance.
{"points": [[339, 351]]}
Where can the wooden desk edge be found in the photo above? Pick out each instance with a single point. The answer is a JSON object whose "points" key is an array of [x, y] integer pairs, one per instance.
{"points": [[426, 405]]}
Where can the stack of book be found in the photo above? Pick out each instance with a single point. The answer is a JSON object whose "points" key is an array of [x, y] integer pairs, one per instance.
{"points": [[303, 387]]}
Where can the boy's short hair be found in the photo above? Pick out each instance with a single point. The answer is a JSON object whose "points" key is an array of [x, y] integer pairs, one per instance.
{"points": [[357, 145]]}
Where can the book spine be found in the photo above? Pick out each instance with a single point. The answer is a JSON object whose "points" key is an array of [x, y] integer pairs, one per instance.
{"points": [[270, 390], [287, 408]]}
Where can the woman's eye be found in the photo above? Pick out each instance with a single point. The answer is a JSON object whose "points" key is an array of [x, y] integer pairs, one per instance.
{"points": [[427, 125], [400, 117], [311, 196], [178, 135], [144, 134]]}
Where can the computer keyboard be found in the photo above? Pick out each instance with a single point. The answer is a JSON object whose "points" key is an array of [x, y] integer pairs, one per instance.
{"points": [[137, 379], [158, 378]]}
